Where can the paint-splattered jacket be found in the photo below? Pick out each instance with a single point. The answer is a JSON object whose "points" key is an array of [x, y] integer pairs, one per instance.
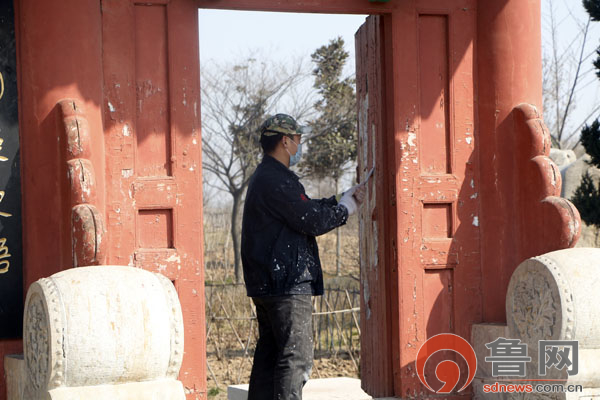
{"points": [[280, 222]]}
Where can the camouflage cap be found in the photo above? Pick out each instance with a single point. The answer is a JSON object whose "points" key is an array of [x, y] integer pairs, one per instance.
{"points": [[280, 123]]}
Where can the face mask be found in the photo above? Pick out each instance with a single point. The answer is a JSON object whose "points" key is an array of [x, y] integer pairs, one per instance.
{"points": [[295, 159]]}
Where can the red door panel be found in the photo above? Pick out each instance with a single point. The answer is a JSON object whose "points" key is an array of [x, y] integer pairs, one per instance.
{"points": [[151, 117], [439, 263]]}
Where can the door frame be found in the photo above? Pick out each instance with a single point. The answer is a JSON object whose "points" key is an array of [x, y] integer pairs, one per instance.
{"points": [[379, 386]]}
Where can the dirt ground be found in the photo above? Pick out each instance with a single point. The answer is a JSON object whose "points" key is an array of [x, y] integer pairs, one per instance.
{"points": [[227, 372]]}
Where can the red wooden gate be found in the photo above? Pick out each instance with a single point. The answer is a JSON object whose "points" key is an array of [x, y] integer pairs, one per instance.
{"points": [[153, 175], [433, 187], [375, 223], [440, 223]]}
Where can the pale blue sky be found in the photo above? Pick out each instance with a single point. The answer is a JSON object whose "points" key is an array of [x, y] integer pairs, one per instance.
{"points": [[225, 35]]}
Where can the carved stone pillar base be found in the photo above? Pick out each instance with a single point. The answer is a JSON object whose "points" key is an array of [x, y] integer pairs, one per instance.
{"points": [[550, 297], [166, 389], [101, 333]]}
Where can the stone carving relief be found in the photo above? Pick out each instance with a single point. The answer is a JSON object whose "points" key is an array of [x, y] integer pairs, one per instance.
{"points": [[534, 307], [540, 302], [37, 348]]}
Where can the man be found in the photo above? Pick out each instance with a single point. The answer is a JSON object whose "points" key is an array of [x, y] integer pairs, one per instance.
{"points": [[281, 260]]}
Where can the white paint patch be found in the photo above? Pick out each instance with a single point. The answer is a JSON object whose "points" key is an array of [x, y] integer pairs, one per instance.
{"points": [[194, 141], [111, 107], [411, 139], [474, 196], [127, 173], [472, 183], [126, 131], [173, 258], [468, 140], [475, 221]]}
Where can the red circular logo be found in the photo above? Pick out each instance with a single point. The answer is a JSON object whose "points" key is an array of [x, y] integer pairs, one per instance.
{"points": [[446, 371]]}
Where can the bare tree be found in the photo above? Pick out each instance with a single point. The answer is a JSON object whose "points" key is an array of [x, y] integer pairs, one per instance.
{"points": [[236, 99], [567, 70]]}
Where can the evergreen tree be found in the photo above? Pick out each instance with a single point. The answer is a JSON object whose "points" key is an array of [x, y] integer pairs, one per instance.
{"points": [[587, 195], [586, 199], [593, 8], [590, 138], [332, 144]]}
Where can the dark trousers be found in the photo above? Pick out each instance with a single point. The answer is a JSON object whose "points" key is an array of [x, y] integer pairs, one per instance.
{"points": [[284, 352]]}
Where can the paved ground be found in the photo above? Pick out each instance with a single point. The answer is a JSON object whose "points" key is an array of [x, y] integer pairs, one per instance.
{"points": [[316, 389]]}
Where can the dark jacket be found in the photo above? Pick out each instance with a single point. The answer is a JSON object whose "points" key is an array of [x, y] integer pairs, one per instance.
{"points": [[280, 222]]}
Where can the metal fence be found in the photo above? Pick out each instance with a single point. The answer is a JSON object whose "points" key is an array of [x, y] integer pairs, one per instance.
{"points": [[231, 330]]}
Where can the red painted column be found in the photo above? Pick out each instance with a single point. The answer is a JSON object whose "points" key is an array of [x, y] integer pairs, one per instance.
{"points": [[59, 56], [510, 72]]}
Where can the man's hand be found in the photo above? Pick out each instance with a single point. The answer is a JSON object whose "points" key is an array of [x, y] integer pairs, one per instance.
{"points": [[353, 197], [348, 201], [360, 193]]}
